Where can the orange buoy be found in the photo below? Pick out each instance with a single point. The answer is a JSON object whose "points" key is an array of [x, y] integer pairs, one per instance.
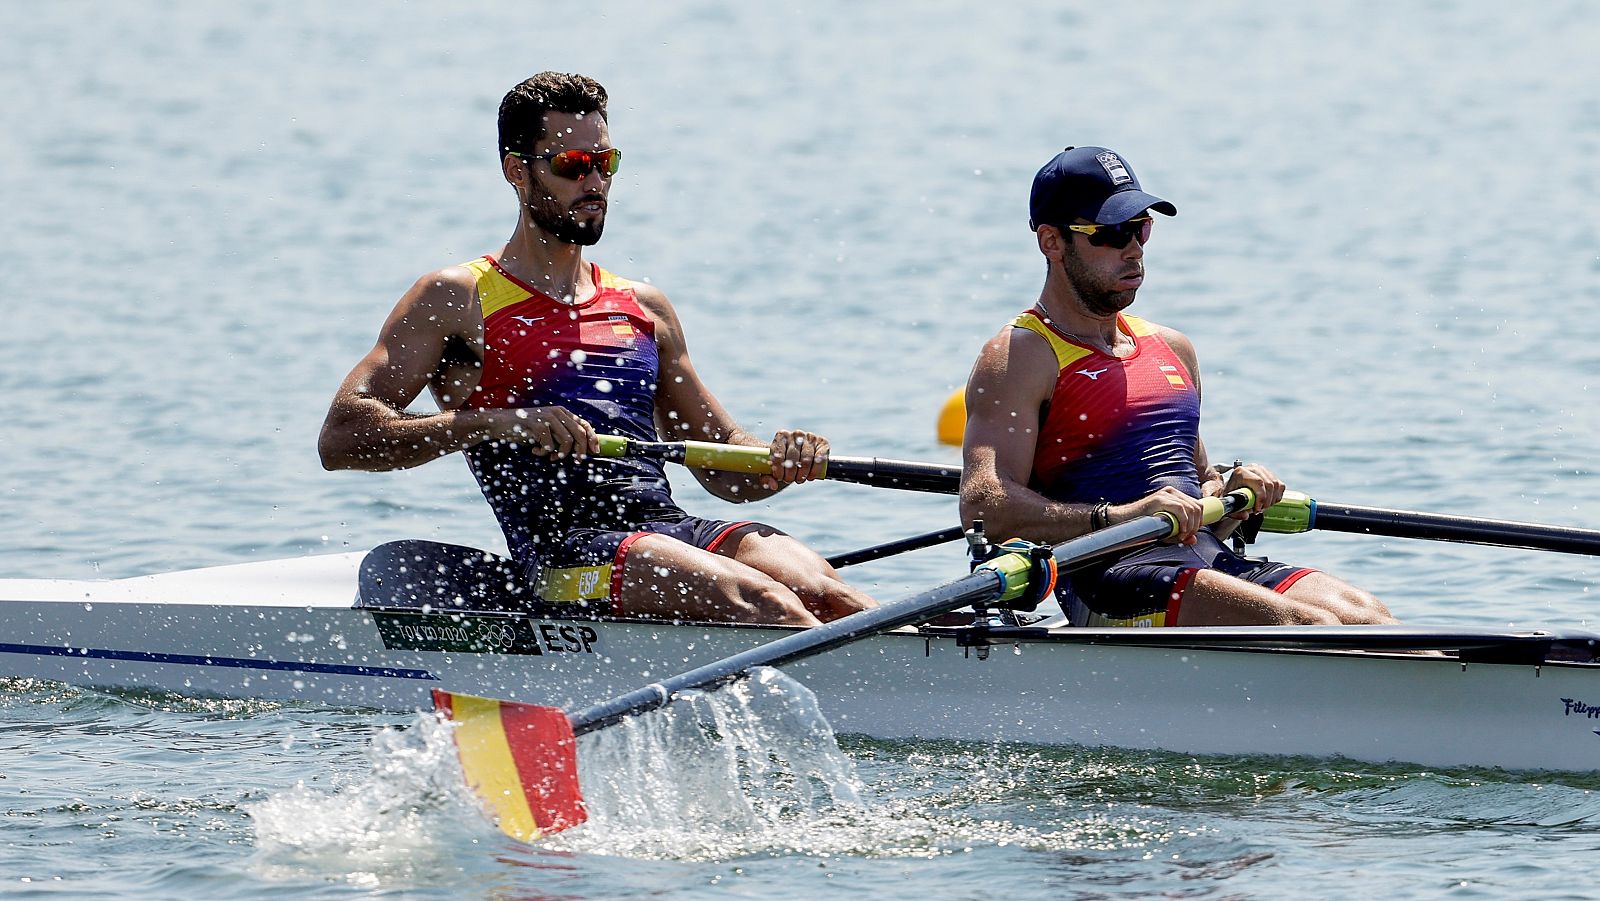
{"points": [[953, 418]]}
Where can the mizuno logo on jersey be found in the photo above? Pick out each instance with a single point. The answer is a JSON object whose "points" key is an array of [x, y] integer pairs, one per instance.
{"points": [[1093, 374], [527, 320]]}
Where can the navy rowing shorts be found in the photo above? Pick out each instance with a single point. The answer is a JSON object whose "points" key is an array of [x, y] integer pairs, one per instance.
{"points": [[582, 574], [1145, 587]]}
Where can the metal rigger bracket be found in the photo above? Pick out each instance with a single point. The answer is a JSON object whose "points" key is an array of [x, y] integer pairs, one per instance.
{"points": [[1029, 573]]}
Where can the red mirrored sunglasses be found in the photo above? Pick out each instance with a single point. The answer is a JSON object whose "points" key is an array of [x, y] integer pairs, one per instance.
{"points": [[575, 164]]}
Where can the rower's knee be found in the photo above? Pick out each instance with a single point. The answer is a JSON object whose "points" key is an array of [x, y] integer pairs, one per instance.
{"points": [[823, 592], [1310, 615], [1357, 607], [1218, 599], [1340, 603], [666, 579], [807, 575], [765, 600]]}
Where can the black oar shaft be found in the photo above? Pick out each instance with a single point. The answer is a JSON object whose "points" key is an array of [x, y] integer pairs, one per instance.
{"points": [[978, 586], [932, 478], [1441, 527], [889, 549], [983, 586]]}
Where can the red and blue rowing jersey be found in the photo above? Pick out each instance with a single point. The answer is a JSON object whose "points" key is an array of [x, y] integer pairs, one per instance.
{"points": [[1116, 428], [599, 360]]}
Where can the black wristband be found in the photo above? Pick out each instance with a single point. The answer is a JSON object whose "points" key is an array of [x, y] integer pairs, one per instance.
{"points": [[1098, 517]]}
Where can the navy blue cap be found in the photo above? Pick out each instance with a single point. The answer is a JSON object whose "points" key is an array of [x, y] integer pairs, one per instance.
{"points": [[1090, 183]]}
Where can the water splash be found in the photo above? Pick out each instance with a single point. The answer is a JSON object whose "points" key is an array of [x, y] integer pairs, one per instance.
{"points": [[716, 775], [401, 820], [713, 776]]}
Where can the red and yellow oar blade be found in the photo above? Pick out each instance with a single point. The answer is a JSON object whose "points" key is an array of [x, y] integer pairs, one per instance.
{"points": [[521, 759]]}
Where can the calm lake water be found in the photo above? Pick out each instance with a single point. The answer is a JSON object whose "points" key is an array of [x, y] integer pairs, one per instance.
{"points": [[1387, 255]]}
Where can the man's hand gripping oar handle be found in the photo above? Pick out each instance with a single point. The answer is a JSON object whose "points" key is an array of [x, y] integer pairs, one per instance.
{"points": [[903, 474], [1015, 568]]}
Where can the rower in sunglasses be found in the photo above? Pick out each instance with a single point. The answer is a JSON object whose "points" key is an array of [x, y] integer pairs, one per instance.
{"points": [[530, 351], [1080, 416]]}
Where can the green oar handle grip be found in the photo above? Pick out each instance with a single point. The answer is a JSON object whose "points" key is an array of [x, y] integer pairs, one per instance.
{"points": [[1214, 508], [613, 445], [727, 457], [694, 454], [1295, 513]]}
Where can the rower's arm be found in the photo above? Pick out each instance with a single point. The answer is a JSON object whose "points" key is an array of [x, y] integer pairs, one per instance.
{"points": [[1014, 376], [686, 410], [368, 426]]}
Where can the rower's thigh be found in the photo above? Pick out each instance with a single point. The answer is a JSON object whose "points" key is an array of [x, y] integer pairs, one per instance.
{"points": [[1217, 599], [1350, 604], [798, 567], [665, 578], [776, 554]]}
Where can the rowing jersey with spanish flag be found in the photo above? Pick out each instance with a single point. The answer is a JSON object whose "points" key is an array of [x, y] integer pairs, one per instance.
{"points": [[596, 358], [1115, 428]]}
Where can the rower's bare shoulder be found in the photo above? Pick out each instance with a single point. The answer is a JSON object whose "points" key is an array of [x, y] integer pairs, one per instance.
{"points": [[654, 302], [1179, 342], [1016, 368], [1170, 335], [445, 300], [1017, 354], [418, 343]]}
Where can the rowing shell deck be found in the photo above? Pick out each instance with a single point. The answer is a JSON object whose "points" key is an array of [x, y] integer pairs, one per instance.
{"points": [[380, 630]]}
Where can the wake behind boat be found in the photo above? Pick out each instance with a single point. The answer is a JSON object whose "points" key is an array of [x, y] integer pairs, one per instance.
{"points": [[383, 629]]}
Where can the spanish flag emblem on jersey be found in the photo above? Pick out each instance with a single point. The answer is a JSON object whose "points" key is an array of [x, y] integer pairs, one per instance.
{"points": [[621, 327]]}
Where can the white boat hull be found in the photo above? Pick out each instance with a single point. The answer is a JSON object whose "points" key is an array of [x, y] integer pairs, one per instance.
{"points": [[288, 630]]}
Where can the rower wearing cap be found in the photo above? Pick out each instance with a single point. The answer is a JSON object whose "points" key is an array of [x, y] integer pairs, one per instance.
{"points": [[1081, 416], [531, 349]]}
